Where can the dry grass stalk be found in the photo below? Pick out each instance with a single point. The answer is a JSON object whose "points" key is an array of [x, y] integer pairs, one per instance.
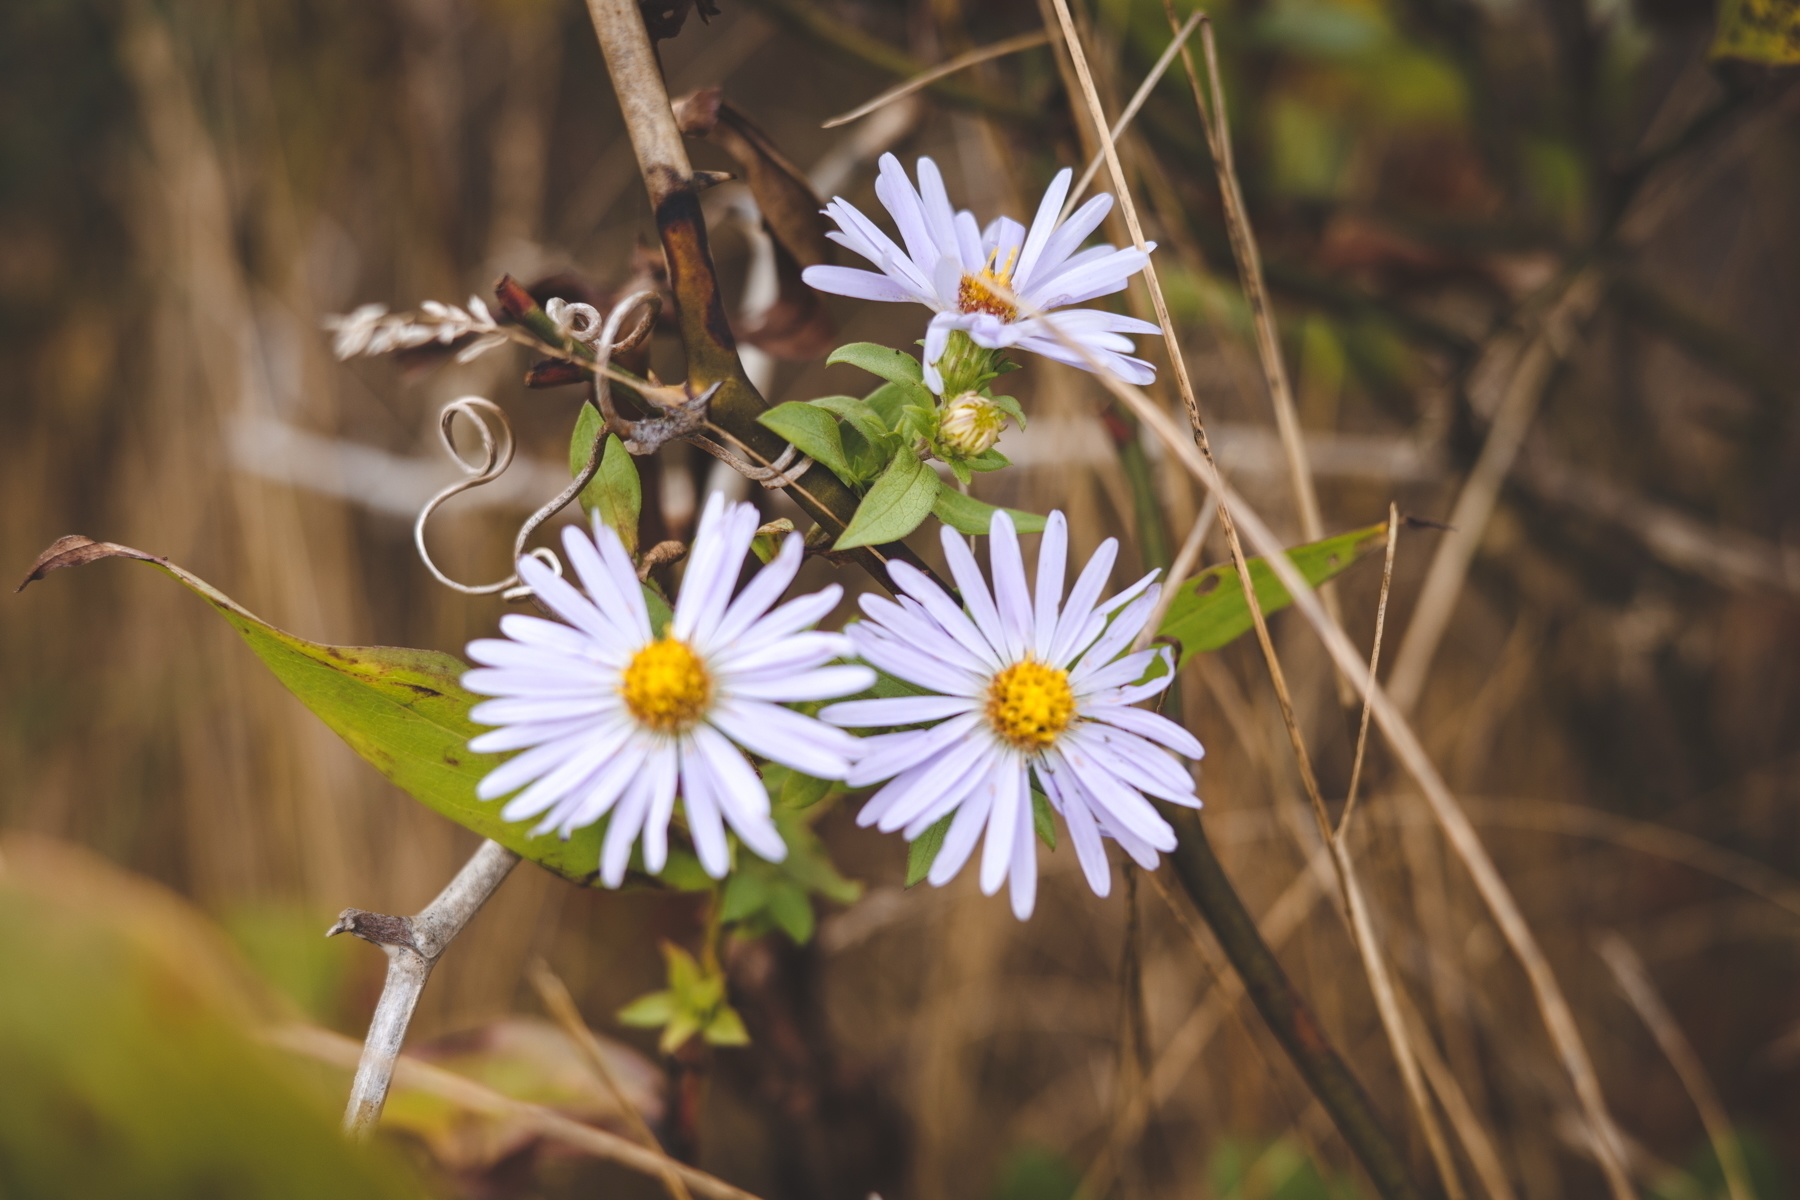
{"points": [[1362, 732], [1559, 1019], [333, 1048], [1011, 45], [561, 1006], [1634, 981]]}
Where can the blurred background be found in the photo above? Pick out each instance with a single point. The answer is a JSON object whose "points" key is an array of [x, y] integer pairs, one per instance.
{"points": [[186, 191]]}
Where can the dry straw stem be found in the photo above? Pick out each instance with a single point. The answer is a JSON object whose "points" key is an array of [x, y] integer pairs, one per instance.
{"points": [[1362, 733], [1356, 907], [709, 347], [413, 945], [1635, 982], [1530, 377], [333, 1048], [1559, 1019], [561, 1006], [1384, 1168], [1011, 45]]}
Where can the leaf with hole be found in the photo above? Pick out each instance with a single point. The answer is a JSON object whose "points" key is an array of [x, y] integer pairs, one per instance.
{"points": [[1210, 611]]}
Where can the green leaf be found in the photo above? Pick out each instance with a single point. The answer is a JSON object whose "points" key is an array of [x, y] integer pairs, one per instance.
{"points": [[615, 491], [1760, 31], [965, 514], [858, 415], [813, 431], [892, 365], [790, 909], [1209, 609], [1041, 818], [726, 1028], [405, 711], [900, 499], [924, 850], [1010, 406], [649, 1012], [793, 789], [890, 399]]}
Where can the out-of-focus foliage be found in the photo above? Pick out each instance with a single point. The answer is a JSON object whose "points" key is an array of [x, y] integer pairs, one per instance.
{"points": [[127, 1063]]}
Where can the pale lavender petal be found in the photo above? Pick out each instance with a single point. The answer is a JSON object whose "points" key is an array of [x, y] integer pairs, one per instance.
{"points": [[910, 663], [1072, 624], [1044, 224], [923, 786], [940, 217], [528, 733], [960, 840], [512, 710], [628, 632], [761, 593], [826, 683], [1121, 804], [879, 758], [561, 598], [698, 800], [1006, 780], [1117, 674], [895, 710], [1012, 598], [976, 597], [786, 737], [740, 794], [1089, 850], [1002, 236], [862, 285], [944, 612], [1024, 871], [968, 241], [1070, 234], [901, 199], [622, 830], [1138, 774], [1053, 553], [1148, 725]]}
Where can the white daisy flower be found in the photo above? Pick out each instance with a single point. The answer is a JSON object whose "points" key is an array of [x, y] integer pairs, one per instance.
{"points": [[1024, 687], [982, 281], [620, 718]]}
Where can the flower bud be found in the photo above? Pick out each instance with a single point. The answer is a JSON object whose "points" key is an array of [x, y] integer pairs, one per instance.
{"points": [[970, 425]]}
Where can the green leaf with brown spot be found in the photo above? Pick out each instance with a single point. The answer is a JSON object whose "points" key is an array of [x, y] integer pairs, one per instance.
{"points": [[405, 711], [1210, 610]]}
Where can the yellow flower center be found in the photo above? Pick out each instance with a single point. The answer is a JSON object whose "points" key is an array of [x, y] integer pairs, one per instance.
{"points": [[666, 686], [1029, 704], [990, 289]]}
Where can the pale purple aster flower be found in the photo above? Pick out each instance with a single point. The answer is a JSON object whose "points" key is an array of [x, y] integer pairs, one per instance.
{"points": [[996, 284], [1026, 685], [616, 717]]}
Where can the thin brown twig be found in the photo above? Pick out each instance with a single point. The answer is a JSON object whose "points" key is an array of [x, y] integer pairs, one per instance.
{"points": [[1362, 733], [561, 1006], [1634, 981]]}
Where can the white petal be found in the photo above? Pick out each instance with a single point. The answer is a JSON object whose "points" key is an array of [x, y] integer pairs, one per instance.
{"points": [[880, 758], [943, 610], [1012, 804], [600, 577], [1117, 801], [1151, 726], [781, 735], [1053, 553], [1142, 773], [895, 710], [1062, 243], [521, 769], [705, 825], [1044, 223], [1072, 624], [913, 665], [568, 777], [561, 598], [1118, 673], [826, 683], [794, 652], [1024, 861], [761, 593], [720, 543], [740, 794], [901, 199], [1012, 598], [976, 597], [940, 217], [528, 733], [622, 830], [1089, 850], [662, 807], [513, 710], [961, 838], [942, 781], [968, 241], [1118, 635], [546, 635], [863, 285]]}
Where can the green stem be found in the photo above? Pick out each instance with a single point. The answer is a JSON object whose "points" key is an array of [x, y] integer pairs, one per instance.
{"points": [[1284, 1010]]}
